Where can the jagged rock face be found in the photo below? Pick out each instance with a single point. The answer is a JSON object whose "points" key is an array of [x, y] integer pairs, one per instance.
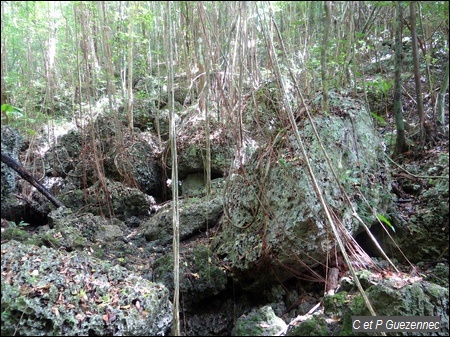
{"points": [[50, 292], [120, 201], [195, 215], [11, 144], [396, 295], [425, 234], [271, 208]]}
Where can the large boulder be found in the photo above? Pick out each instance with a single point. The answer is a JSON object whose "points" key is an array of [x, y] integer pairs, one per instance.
{"points": [[135, 162], [271, 208], [195, 215], [396, 295], [52, 292], [119, 200]]}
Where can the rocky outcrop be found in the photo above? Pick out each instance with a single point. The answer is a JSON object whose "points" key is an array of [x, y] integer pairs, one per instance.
{"points": [[397, 295], [272, 212], [424, 209], [11, 144], [117, 201], [195, 215], [51, 292]]}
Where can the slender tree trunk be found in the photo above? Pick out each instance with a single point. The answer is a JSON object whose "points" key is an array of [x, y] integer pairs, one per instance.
{"points": [[323, 56], [173, 148], [203, 65], [243, 42], [130, 69], [86, 42], [441, 102], [4, 71], [111, 87], [50, 59], [426, 58], [400, 144], [412, 9]]}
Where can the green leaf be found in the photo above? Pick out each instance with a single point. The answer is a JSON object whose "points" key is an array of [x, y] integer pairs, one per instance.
{"points": [[386, 221], [7, 107], [12, 110]]}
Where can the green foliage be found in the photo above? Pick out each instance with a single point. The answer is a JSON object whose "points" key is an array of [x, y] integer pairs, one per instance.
{"points": [[20, 224], [380, 85], [282, 162], [19, 119], [385, 221], [12, 111], [379, 119], [16, 232]]}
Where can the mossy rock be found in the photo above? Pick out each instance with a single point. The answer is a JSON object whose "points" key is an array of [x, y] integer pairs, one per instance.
{"points": [[47, 292], [200, 274], [259, 322], [314, 326]]}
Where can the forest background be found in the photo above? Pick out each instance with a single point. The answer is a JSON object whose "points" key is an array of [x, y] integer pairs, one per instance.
{"points": [[58, 59]]}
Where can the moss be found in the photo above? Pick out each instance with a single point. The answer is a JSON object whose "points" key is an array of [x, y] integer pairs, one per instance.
{"points": [[208, 270], [347, 326], [15, 233], [259, 322], [46, 239], [79, 242], [436, 291], [311, 327], [335, 303], [356, 307], [99, 252]]}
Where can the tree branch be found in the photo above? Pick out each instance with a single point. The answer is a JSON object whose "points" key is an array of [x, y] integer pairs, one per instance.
{"points": [[28, 177]]}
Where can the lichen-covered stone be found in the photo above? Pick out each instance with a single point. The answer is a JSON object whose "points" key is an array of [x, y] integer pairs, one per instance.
{"points": [[46, 292], [271, 207], [313, 326], [195, 214], [397, 296], [11, 142], [259, 322], [119, 201], [200, 274]]}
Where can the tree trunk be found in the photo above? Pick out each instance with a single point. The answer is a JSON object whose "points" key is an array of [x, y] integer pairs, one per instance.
{"points": [[4, 72], [441, 101], [204, 68], [323, 55], [412, 9], [400, 144], [28, 177], [130, 69], [173, 150]]}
